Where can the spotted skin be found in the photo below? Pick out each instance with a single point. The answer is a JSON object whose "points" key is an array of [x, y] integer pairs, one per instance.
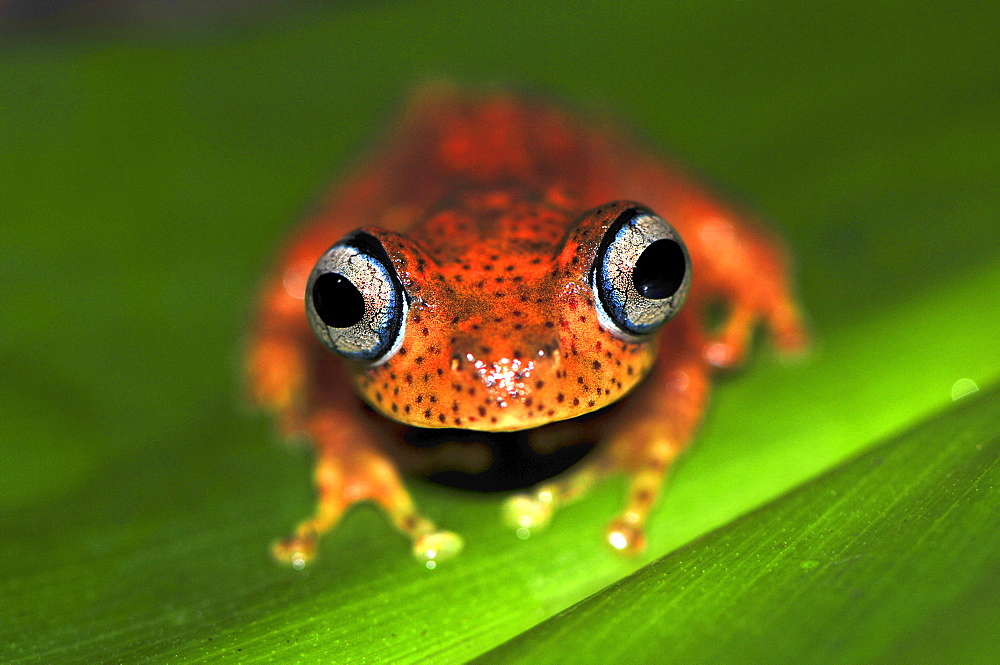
{"points": [[492, 208]]}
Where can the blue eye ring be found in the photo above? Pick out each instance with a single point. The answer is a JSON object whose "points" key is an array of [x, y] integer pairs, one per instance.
{"points": [[641, 274], [355, 302]]}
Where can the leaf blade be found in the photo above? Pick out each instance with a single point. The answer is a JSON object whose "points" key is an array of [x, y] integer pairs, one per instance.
{"points": [[842, 570]]}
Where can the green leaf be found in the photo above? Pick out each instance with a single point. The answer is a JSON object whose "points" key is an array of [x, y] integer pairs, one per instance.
{"points": [[148, 177], [862, 564]]}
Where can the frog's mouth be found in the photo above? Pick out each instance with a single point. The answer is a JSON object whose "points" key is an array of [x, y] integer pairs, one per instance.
{"points": [[493, 461]]}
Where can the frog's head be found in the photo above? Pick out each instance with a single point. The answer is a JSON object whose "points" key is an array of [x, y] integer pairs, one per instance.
{"points": [[501, 336]]}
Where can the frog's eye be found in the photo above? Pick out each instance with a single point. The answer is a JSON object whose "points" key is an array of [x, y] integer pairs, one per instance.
{"points": [[355, 302], [641, 274]]}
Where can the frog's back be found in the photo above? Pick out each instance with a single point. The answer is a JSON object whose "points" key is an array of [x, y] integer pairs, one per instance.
{"points": [[470, 169]]}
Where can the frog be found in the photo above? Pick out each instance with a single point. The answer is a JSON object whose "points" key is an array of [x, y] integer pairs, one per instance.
{"points": [[500, 263]]}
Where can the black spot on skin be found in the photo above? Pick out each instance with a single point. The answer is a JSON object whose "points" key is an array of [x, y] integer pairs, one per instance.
{"points": [[427, 413], [560, 397], [596, 364], [576, 401], [406, 408]]}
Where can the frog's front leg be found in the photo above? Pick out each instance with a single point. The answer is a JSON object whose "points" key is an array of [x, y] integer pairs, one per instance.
{"points": [[647, 434], [350, 468]]}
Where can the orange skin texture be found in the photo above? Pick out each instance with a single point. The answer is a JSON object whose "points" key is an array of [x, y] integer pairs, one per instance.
{"points": [[492, 207]]}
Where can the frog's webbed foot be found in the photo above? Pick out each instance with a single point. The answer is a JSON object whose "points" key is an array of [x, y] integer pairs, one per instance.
{"points": [[351, 470], [646, 438]]}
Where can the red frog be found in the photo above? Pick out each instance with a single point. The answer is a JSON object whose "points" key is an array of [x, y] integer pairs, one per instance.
{"points": [[502, 265]]}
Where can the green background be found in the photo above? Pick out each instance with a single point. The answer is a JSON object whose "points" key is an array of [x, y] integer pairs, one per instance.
{"points": [[843, 509]]}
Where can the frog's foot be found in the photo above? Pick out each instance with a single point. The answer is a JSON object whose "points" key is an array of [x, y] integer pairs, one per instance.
{"points": [[642, 445], [532, 511], [771, 306], [351, 472]]}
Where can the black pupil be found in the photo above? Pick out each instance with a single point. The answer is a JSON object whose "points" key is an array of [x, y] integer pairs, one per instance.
{"points": [[337, 301], [660, 269]]}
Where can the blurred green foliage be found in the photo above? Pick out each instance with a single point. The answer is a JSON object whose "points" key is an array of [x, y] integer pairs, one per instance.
{"points": [[149, 176]]}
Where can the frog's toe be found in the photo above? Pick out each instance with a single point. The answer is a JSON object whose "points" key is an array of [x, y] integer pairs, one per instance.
{"points": [[722, 354], [296, 551], [437, 546], [626, 537], [789, 332], [528, 511]]}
